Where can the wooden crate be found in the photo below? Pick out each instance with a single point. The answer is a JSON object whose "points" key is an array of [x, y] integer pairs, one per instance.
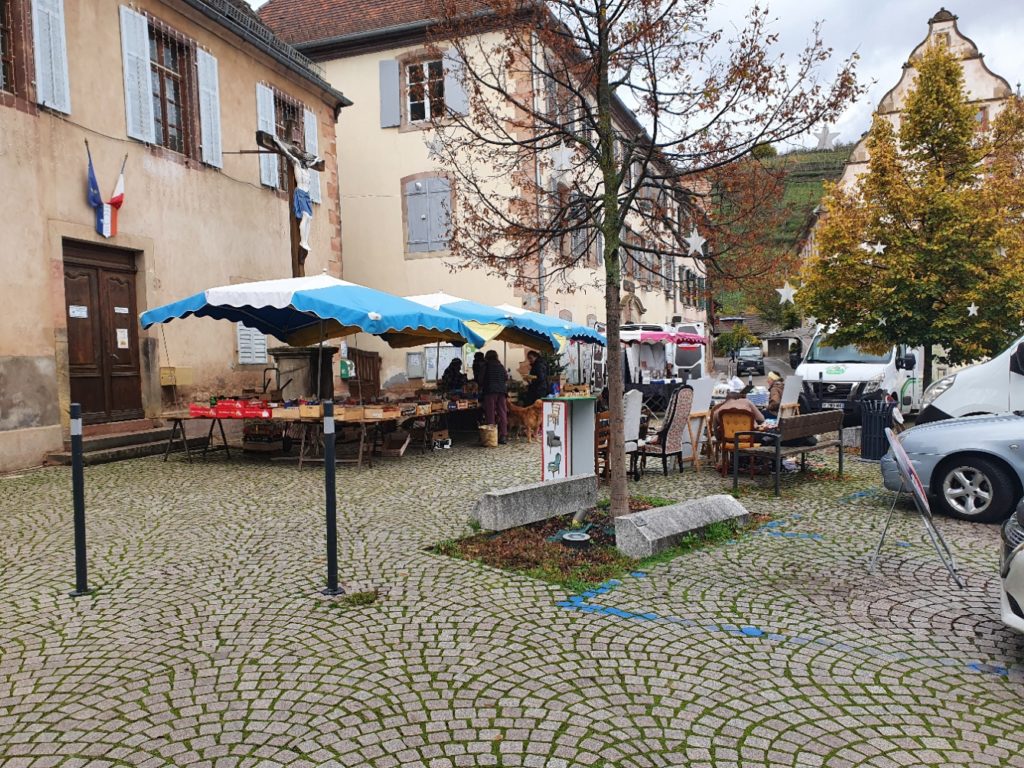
{"points": [[286, 414], [311, 411], [395, 444], [373, 412], [348, 413]]}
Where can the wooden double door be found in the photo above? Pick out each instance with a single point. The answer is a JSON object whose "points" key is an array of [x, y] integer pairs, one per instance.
{"points": [[103, 335]]}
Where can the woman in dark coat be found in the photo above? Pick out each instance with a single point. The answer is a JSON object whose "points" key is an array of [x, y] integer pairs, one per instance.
{"points": [[538, 387], [495, 391]]}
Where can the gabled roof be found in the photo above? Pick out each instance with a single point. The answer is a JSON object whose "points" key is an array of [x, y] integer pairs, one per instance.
{"points": [[306, 21]]}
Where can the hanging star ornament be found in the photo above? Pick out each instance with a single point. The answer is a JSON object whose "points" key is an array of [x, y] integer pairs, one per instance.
{"points": [[786, 293], [882, 321], [972, 311], [435, 148], [826, 138], [867, 247], [696, 242], [878, 248]]}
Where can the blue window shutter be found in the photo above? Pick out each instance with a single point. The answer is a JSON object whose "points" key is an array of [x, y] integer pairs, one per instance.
{"points": [[455, 97], [312, 139], [51, 55], [390, 92], [417, 210], [265, 122], [138, 88], [209, 108], [439, 219]]}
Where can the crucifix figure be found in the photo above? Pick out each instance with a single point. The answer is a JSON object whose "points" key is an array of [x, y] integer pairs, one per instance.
{"points": [[301, 164]]}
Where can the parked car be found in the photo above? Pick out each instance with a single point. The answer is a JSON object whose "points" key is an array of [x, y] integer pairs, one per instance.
{"points": [[972, 467], [1011, 598], [750, 360]]}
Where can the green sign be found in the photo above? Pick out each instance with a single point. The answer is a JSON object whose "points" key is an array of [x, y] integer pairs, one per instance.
{"points": [[835, 370]]}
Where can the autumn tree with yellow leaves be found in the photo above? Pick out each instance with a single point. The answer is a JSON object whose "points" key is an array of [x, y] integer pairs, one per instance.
{"points": [[927, 248]]}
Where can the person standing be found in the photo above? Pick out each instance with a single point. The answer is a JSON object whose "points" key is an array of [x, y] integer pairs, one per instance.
{"points": [[538, 387], [478, 368], [495, 391]]}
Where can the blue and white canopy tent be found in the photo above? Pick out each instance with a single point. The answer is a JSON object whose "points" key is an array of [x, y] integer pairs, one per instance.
{"points": [[566, 329], [493, 323], [306, 310]]}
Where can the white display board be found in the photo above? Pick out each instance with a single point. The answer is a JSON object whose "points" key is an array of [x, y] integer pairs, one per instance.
{"points": [[437, 357]]}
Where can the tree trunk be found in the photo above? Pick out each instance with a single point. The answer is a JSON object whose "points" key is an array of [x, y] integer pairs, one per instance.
{"points": [[928, 355], [616, 442]]}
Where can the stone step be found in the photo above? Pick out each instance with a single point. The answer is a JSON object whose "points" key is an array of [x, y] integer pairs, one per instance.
{"points": [[93, 443], [133, 451]]}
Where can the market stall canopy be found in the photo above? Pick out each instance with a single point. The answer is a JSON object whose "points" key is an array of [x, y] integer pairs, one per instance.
{"points": [[492, 322], [665, 337], [305, 310], [564, 328]]}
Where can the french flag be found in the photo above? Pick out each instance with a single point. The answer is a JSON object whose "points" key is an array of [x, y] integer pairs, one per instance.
{"points": [[106, 212]]}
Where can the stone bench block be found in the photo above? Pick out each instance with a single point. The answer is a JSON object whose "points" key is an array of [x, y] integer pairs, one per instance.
{"points": [[523, 504], [642, 534]]}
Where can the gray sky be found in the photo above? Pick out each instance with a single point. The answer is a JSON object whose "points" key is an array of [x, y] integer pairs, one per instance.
{"points": [[883, 32]]}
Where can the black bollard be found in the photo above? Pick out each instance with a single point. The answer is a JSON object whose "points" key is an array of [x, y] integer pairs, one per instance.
{"points": [[331, 503], [78, 497]]}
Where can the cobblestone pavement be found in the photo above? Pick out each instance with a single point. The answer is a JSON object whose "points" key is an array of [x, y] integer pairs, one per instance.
{"points": [[207, 643]]}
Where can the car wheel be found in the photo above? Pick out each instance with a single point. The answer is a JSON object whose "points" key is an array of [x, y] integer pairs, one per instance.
{"points": [[975, 488]]}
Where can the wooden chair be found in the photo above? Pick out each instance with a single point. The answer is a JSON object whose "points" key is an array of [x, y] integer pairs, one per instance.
{"points": [[671, 439], [730, 423], [602, 443]]}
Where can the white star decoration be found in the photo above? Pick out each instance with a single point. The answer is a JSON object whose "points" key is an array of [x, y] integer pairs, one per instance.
{"points": [[882, 321], [786, 293], [867, 247], [811, 321], [878, 248], [825, 137], [696, 242], [972, 311]]}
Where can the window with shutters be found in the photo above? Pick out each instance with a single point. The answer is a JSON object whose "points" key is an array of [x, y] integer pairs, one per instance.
{"points": [[424, 89], [252, 346], [426, 210], [172, 71], [288, 125], [8, 53]]}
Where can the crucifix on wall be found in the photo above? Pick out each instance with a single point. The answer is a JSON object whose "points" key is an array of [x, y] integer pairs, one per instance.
{"points": [[300, 164]]}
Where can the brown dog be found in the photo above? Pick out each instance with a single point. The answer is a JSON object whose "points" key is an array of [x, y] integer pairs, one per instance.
{"points": [[526, 419]]}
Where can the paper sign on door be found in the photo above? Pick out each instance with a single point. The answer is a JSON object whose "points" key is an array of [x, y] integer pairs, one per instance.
{"points": [[122, 338], [77, 310]]}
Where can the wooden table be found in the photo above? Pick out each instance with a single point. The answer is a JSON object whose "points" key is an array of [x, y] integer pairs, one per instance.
{"points": [[178, 420]]}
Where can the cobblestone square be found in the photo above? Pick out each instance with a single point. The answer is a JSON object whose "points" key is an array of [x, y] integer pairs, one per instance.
{"points": [[207, 642]]}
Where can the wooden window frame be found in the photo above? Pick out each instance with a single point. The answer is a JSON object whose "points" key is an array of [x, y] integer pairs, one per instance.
{"points": [[284, 107], [16, 69], [160, 37]]}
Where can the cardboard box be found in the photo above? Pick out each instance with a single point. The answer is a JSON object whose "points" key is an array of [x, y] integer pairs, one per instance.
{"points": [[172, 376], [311, 411], [286, 414], [395, 444]]}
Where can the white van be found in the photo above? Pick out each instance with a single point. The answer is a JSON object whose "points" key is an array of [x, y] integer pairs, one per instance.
{"points": [[841, 376], [995, 386]]}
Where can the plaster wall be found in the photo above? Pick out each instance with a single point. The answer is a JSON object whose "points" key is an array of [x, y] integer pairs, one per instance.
{"points": [[190, 226]]}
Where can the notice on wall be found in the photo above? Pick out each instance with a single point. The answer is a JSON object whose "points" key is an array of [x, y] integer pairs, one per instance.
{"points": [[122, 338], [120, 310], [77, 310]]}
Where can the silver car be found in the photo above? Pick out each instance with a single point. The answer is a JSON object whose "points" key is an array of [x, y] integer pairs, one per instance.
{"points": [[972, 467], [1011, 598]]}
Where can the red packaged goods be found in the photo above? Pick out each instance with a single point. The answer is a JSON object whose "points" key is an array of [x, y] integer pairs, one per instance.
{"points": [[199, 410], [255, 412]]}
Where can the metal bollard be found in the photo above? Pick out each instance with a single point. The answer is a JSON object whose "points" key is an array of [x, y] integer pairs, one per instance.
{"points": [[331, 503], [78, 500]]}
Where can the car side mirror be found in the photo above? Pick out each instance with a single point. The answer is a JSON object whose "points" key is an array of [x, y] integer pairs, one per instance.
{"points": [[794, 359], [907, 362], [1017, 361]]}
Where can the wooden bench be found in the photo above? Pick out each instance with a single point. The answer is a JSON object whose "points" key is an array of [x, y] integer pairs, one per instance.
{"points": [[792, 428]]}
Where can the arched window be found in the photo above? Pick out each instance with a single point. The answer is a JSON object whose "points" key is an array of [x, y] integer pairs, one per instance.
{"points": [[565, 314]]}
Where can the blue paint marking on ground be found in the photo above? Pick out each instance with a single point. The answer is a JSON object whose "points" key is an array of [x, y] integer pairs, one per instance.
{"points": [[902, 543], [579, 603]]}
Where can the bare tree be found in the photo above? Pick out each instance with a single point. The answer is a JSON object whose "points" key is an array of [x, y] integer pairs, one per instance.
{"points": [[608, 134]]}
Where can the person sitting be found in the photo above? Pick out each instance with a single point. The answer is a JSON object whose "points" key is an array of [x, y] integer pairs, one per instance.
{"points": [[538, 378], [453, 379], [735, 401], [775, 386]]}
